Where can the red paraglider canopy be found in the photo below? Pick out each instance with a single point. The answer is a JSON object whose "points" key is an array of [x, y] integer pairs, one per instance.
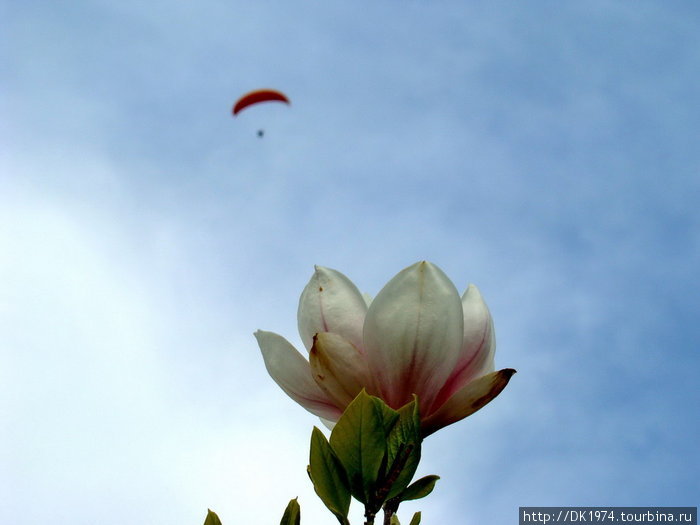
{"points": [[259, 95]]}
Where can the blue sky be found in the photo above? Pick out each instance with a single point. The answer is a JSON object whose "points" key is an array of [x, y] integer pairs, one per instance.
{"points": [[545, 151]]}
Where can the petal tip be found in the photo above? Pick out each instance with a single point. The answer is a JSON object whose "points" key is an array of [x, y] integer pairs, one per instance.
{"points": [[471, 398], [472, 292]]}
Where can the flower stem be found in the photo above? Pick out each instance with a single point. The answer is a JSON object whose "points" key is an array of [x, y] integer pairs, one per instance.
{"points": [[390, 508], [387, 516]]}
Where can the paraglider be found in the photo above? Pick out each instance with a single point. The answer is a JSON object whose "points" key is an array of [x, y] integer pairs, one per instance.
{"points": [[257, 96]]}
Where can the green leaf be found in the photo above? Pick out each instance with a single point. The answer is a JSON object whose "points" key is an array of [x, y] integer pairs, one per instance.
{"points": [[420, 488], [212, 518], [292, 514], [359, 440], [416, 519], [328, 476], [404, 448], [394, 520]]}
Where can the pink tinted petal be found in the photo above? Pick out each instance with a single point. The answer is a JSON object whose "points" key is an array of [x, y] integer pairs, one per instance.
{"points": [[292, 373], [330, 302], [338, 367], [470, 398], [478, 345], [413, 334], [328, 423]]}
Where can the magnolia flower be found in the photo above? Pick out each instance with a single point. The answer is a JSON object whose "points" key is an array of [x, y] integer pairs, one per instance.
{"points": [[416, 337]]}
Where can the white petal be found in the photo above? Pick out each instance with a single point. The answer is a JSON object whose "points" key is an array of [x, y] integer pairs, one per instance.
{"points": [[291, 371], [478, 345], [338, 367], [413, 334], [470, 398], [331, 303], [328, 423]]}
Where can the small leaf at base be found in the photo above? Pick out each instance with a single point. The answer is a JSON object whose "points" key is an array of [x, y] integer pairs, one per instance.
{"points": [[212, 518], [292, 514], [420, 488], [328, 476]]}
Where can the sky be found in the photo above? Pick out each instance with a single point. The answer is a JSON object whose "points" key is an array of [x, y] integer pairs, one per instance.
{"points": [[545, 151]]}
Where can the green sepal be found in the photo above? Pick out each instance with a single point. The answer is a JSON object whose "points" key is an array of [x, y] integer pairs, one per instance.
{"points": [[212, 518], [328, 476], [359, 440], [404, 448], [416, 519], [292, 514], [419, 488], [394, 520]]}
